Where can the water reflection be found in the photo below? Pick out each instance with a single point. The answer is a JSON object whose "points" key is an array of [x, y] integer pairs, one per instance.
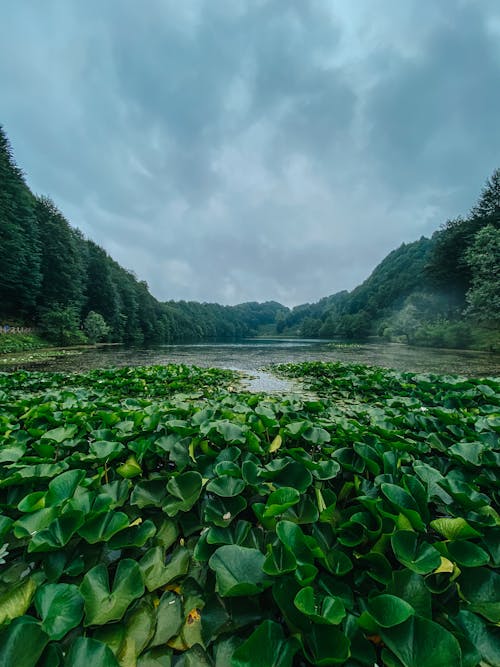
{"points": [[252, 354]]}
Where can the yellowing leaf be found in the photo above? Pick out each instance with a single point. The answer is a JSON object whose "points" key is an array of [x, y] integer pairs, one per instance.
{"points": [[276, 443]]}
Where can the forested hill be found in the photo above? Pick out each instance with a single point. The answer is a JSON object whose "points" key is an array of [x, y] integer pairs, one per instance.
{"points": [[443, 291], [70, 289]]}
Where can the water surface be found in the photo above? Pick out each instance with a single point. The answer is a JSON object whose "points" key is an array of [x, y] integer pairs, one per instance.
{"points": [[250, 355]]}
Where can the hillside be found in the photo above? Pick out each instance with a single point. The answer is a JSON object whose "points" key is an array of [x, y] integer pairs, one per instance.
{"points": [[443, 291], [70, 289]]}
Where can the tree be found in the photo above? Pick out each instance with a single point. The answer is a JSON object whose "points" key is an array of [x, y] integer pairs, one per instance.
{"points": [[489, 201], [95, 327], [63, 267], [20, 275], [483, 258], [62, 326]]}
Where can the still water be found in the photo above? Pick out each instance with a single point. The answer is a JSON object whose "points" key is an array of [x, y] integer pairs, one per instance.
{"points": [[252, 354]]}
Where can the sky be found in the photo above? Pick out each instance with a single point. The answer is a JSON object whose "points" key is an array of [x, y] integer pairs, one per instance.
{"points": [[241, 150]]}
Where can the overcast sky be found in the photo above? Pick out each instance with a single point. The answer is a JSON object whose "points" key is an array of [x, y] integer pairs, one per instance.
{"points": [[235, 150]]}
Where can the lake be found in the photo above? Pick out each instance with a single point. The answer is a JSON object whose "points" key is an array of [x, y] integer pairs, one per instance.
{"points": [[252, 354]]}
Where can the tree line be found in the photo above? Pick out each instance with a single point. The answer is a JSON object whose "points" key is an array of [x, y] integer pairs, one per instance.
{"points": [[52, 277], [442, 291]]}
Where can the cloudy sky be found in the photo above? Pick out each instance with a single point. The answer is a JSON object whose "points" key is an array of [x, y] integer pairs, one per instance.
{"points": [[234, 150]]}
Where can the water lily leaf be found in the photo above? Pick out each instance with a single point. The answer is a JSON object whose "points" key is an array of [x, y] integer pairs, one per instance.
{"points": [[16, 600], [85, 651], [411, 587], [231, 432], [316, 435], [325, 645], [12, 453], [467, 554], [421, 558], [22, 643], [102, 527], [221, 511], [279, 560], [267, 646], [104, 603], [32, 502], [279, 500], [156, 657], [134, 536], [239, 570], [32, 523], [419, 642], [149, 493], [389, 610], [157, 572], [185, 489], [57, 534], [320, 609], [481, 635], [481, 588], [326, 470], [129, 469], [60, 606], [140, 625], [60, 434], [275, 444], [169, 619], [454, 528], [226, 486], [63, 487], [106, 450]]}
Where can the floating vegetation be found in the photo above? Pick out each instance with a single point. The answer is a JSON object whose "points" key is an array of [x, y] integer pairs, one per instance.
{"points": [[152, 516]]}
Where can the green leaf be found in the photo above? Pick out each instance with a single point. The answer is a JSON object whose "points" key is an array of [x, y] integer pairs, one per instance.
{"points": [[103, 526], [239, 570], [454, 528], [156, 657], [185, 489], [85, 652], [226, 486], [482, 636], [421, 558], [325, 645], [63, 487], [481, 588], [320, 609], [103, 449], [467, 554], [169, 619], [419, 642], [60, 606], [57, 534], [104, 604], [22, 643], [267, 646], [156, 573], [280, 500], [316, 435], [389, 610], [16, 600], [60, 434]]}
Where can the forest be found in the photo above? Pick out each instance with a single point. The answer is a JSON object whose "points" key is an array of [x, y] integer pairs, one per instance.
{"points": [[443, 291]]}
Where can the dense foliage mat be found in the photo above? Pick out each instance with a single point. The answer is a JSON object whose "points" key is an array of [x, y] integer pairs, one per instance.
{"points": [[144, 527]]}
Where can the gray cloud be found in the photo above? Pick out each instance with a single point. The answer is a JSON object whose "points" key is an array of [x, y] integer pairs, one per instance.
{"points": [[256, 149]]}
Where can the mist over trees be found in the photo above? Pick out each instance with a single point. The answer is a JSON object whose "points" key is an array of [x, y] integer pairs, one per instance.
{"points": [[443, 291]]}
